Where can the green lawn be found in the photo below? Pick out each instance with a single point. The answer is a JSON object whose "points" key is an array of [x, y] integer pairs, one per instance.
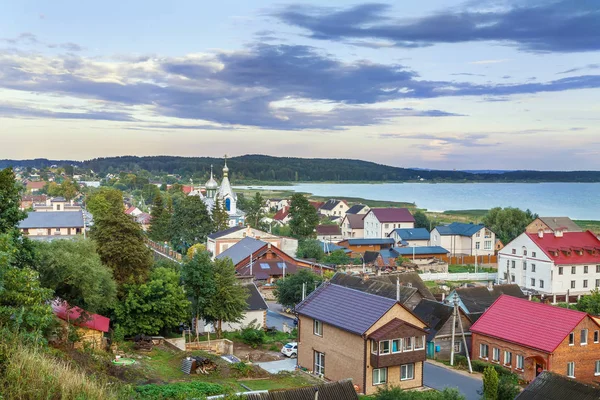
{"points": [[453, 269], [591, 225]]}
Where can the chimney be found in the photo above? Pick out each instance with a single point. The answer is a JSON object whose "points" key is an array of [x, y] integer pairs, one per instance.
{"points": [[398, 289], [541, 233]]}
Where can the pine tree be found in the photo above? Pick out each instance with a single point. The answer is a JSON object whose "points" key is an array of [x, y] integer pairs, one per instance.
{"points": [[190, 223], [159, 224], [229, 300], [220, 216]]}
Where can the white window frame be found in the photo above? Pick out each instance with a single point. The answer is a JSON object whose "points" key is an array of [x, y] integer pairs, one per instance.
{"points": [[596, 336], [572, 339], [382, 351], [541, 283], [399, 347], [422, 343], [583, 335], [482, 347], [457, 347], [487, 245], [379, 373], [319, 363], [597, 368], [520, 362], [496, 354], [407, 372], [571, 369], [374, 347], [318, 327], [507, 357], [408, 341], [532, 267]]}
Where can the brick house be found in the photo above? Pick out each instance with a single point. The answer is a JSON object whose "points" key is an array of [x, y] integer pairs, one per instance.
{"points": [[348, 334], [529, 338], [552, 224]]}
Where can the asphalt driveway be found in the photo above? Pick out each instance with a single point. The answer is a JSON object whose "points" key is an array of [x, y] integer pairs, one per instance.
{"points": [[440, 378], [275, 367]]}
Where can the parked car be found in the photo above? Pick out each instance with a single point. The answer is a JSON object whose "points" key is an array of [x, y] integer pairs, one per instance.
{"points": [[290, 350]]}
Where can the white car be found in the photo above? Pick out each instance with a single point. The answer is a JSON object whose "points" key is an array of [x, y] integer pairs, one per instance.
{"points": [[290, 350]]}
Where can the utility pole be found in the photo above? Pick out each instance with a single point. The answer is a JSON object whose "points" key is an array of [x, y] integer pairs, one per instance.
{"points": [[303, 291], [453, 330], [462, 331]]}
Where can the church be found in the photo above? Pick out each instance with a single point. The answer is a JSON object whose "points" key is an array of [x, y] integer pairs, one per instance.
{"points": [[224, 193]]}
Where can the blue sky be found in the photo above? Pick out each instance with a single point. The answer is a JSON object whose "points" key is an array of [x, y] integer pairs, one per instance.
{"points": [[433, 84]]}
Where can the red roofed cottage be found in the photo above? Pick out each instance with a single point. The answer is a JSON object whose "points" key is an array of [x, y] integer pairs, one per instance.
{"points": [[529, 338], [379, 222], [91, 329], [552, 263]]}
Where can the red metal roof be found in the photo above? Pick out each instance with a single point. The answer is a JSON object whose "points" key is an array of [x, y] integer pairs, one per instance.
{"points": [[281, 214], [130, 210], [393, 214], [569, 247], [534, 325], [95, 321]]}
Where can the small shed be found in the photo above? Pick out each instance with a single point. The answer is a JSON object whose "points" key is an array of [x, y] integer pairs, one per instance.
{"points": [[90, 327]]}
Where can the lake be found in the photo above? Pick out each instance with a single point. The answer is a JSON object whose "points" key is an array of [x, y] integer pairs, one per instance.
{"points": [[575, 200]]}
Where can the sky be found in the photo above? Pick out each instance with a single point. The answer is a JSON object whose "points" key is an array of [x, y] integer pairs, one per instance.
{"points": [[445, 84]]}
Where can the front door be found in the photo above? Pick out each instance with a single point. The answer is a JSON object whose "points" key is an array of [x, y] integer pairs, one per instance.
{"points": [[538, 369]]}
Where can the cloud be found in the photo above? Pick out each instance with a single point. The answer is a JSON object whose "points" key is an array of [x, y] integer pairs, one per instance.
{"points": [[466, 74], [469, 140], [28, 38], [15, 111], [589, 66], [535, 26], [269, 86]]}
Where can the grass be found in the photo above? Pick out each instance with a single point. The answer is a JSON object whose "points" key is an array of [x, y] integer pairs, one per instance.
{"points": [[280, 381], [453, 269], [586, 224]]}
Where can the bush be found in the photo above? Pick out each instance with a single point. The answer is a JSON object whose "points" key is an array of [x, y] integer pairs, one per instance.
{"points": [[480, 366], [178, 391], [242, 369], [253, 337], [396, 393]]}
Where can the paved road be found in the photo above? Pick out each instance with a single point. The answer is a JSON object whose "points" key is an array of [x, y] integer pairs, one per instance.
{"points": [[274, 367], [440, 378], [277, 320]]}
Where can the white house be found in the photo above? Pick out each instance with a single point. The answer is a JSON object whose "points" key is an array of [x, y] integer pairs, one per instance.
{"points": [[379, 222], [218, 242], [418, 237], [353, 226], [464, 239], [358, 209], [552, 263], [334, 208]]}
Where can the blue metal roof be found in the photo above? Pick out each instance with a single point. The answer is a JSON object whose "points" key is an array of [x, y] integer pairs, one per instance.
{"points": [[331, 247], [242, 249], [459, 228], [408, 251], [367, 242], [345, 308], [52, 219], [412, 234], [388, 253]]}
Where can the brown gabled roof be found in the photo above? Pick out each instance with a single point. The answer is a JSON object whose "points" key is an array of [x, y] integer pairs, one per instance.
{"points": [[281, 214], [410, 279], [398, 326], [561, 223], [328, 230], [36, 184], [356, 221]]}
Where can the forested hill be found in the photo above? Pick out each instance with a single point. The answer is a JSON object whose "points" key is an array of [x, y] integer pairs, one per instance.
{"points": [[287, 169]]}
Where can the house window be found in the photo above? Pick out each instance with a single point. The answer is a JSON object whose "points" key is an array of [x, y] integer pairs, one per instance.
{"points": [[483, 350], [533, 254], [396, 345], [572, 284], [384, 347], [597, 282], [571, 369], [318, 327], [379, 376], [387, 226], [373, 346], [585, 283], [524, 252], [457, 347], [585, 269], [571, 339], [478, 234], [507, 358], [560, 270], [532, 267], [512, 264], [477, 245], [408, 344], [573, 270], [496, 354], [520, 361], [584, 335], [419, 342], [597, 368], [596, 336], [541, 283], [487, 245], [507, 264], [598, 268], [514, 251], [512, 278], [532, 281], [524, 265], [319, 363], [407, 372]]}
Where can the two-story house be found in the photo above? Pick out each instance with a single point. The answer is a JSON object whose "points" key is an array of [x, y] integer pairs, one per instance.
{"points": [[375, 341], [410, 237], [329, 233], [379, 222], [218, 242], [464, 239], [358, 209], [552, 263], [334, 208], [353, 226], [52, 223], [527, 338]]}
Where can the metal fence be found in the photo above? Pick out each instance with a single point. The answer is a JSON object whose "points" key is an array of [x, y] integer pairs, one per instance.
{"points": [[460, 276]]}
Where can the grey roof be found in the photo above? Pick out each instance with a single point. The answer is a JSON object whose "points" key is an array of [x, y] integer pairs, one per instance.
{"points": [[355, 209], [555, 223], [53, 219], [255, 300], [410, 279], [242, 249], [479, 298], [420, 250], [379, 288], [342, 390], [412, 234], [58, 200], [345, 308], [370, 241], [227, 231], [330, 204], [435, 314], [551, 386], [331, 247], [459, 228]]}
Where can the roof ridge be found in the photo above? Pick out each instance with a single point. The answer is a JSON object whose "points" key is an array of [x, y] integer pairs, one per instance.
{"points": [[360, 291]]}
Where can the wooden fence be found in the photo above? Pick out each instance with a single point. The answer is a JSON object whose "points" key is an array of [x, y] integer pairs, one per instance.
{"points": [[164, 250]]}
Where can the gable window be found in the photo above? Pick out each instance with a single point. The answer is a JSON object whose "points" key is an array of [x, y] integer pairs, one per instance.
{"points": [[585, 283], [560, 270], [596, 336], [572, 284], [571, 369], [384, 347], [478, 234], [585, 269], [597, 368], [408, 344], [483, 350], [584, 335], [507, 358], [573, 270], [396, 345], [318, 327], [319, 363], [520, 362], [524, 252], [514, 251], [379, 376], [571, 339], [419, 342], [541, 283], [407, 372], [532, 281], [496, 354], [532, 267], [533, 254], [373, 346]]}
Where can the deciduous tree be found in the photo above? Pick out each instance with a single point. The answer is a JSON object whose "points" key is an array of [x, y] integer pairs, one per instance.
{"points": [[422, 221], [10, 200], [104, 202], [198, 277], [161, 219], [508, 223], [255, 211], [590, 303], [289, 290], [304, 217], [190, 224], [310, 248]]}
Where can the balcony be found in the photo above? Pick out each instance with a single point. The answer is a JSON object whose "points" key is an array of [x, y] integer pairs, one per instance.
{"points": [[397, 343]]}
